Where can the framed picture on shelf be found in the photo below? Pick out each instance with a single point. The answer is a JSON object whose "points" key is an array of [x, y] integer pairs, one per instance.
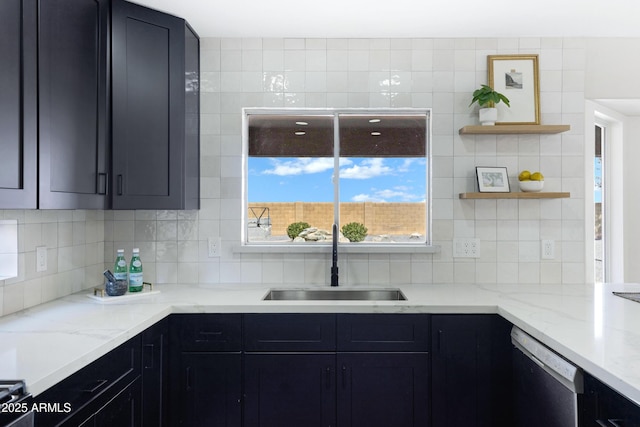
{"points": [[517, 78], [492, 179]]}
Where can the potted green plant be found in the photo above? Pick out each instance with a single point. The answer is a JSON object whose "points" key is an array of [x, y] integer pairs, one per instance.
{"points": [[487, 98]]}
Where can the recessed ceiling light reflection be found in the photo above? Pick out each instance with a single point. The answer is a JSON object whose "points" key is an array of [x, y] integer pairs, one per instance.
{"points": [[302, 123], [300, 133], [374, 120], [376, 133]]}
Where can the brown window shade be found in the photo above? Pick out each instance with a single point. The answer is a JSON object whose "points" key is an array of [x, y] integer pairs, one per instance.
{"points": [[383, 135], [361, 135], [275, 136]]}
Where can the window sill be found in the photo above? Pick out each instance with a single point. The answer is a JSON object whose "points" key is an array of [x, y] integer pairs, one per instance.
{"points": [[317, 248]]}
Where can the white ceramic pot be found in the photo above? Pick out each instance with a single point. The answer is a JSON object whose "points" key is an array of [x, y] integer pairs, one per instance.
{"points": [[488, 116]]}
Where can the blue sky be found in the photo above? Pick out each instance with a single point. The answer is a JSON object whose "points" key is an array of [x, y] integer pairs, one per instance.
{"points": [[597, 193], [306, 179]]}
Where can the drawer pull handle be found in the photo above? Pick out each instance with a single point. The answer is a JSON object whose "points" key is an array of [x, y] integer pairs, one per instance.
{"points": [[93, 387], [209, 336]]}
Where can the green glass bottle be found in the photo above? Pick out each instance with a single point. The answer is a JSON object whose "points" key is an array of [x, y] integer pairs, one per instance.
{"points": [[135, 272], [120, 269]]}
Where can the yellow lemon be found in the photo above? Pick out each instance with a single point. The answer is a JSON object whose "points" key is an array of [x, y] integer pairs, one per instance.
{"points": [[524, 175], [537, 176]]}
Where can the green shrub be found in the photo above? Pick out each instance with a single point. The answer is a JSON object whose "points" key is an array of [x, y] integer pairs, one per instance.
{"points": [[296, 228], [354, 231]]}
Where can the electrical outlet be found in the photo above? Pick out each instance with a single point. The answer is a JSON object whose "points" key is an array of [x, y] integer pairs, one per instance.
{"points": [[41, 258], [213, 245], [548, 249], [466, 248]]}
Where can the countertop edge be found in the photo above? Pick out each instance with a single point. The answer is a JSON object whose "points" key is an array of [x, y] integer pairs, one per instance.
{"points": [[508, 302]]}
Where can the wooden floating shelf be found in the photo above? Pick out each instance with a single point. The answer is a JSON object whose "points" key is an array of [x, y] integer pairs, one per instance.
{"points": [[513, 129], [516, 195]]}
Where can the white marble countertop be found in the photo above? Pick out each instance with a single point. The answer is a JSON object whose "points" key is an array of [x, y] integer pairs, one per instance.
{"points": [[585, 323]]}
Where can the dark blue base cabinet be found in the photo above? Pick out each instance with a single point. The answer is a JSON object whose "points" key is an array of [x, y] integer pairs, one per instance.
{"points": [[205, 379], [472, 371], [604, 407], [340, 370], [325, 370], [336, 370], [351, 389]]}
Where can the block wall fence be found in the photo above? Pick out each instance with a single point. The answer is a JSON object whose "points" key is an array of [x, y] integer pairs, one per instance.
{"points": [[379, 218]]}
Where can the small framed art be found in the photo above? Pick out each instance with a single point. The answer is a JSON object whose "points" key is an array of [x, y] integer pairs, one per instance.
{"points": [[492, 179], [516, 77]]}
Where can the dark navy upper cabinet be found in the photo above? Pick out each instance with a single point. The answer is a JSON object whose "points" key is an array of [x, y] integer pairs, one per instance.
{"points": [[155, 110], [99, 106], [18, 104], [73, 104]]}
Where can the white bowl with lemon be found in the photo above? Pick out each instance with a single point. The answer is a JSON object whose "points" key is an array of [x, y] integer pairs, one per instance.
{"points": [[530, 182]]}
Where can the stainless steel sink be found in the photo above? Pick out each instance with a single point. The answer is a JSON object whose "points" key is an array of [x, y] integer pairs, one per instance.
{"points": [[335, 295]]}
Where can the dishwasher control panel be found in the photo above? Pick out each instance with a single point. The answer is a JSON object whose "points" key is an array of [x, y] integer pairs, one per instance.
{"points": [[547, 359]]}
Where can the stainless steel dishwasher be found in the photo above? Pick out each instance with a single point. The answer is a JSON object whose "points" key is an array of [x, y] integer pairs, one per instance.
{"points": [[547, 387]]}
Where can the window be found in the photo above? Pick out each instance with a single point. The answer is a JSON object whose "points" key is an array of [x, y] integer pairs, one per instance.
{"points": [[321, 167]]}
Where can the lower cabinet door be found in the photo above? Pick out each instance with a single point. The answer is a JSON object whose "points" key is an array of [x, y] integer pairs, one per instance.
{"points": [[290, 390], [208, 391], [383, 389], [124, 409], [155, 364], [471, 371], [603, 406]]}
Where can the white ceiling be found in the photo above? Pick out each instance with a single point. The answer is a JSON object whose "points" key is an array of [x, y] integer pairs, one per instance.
{"points": [[406, 18]]}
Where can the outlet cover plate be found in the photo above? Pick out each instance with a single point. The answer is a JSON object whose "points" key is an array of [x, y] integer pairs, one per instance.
{"points": [[548, 249], [213, 246], [41, 258], [466, 248]]}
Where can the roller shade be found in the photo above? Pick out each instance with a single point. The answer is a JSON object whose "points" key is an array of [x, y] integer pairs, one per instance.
{"points": [[361, 135]]}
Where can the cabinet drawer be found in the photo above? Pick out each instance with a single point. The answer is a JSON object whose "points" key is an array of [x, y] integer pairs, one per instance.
{"points": [[290, 332], [94, 383], [206, 332], [383, 332]]}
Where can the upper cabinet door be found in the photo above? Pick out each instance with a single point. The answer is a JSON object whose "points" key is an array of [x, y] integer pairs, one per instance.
{"points": [[73, 94], [18, 104], [150, 153]]}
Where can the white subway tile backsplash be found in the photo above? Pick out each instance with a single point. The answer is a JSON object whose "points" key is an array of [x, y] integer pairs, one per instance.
{"points": [[402, 60], [297, 72], [464, 60], [443, 60], [464, 272]]}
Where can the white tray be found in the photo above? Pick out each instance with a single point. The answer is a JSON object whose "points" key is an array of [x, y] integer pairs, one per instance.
{"points": [[126, 297]]}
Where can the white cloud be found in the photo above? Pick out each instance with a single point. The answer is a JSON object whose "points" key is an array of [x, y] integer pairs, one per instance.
{"points": [[299, 166], [396, 194], [369, 168], [365, 198]]}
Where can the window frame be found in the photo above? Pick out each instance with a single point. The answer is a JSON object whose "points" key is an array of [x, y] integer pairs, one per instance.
{"points": [[362, 247]]}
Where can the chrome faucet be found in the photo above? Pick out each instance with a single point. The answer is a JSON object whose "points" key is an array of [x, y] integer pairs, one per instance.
{"points": [[334, 256]]}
